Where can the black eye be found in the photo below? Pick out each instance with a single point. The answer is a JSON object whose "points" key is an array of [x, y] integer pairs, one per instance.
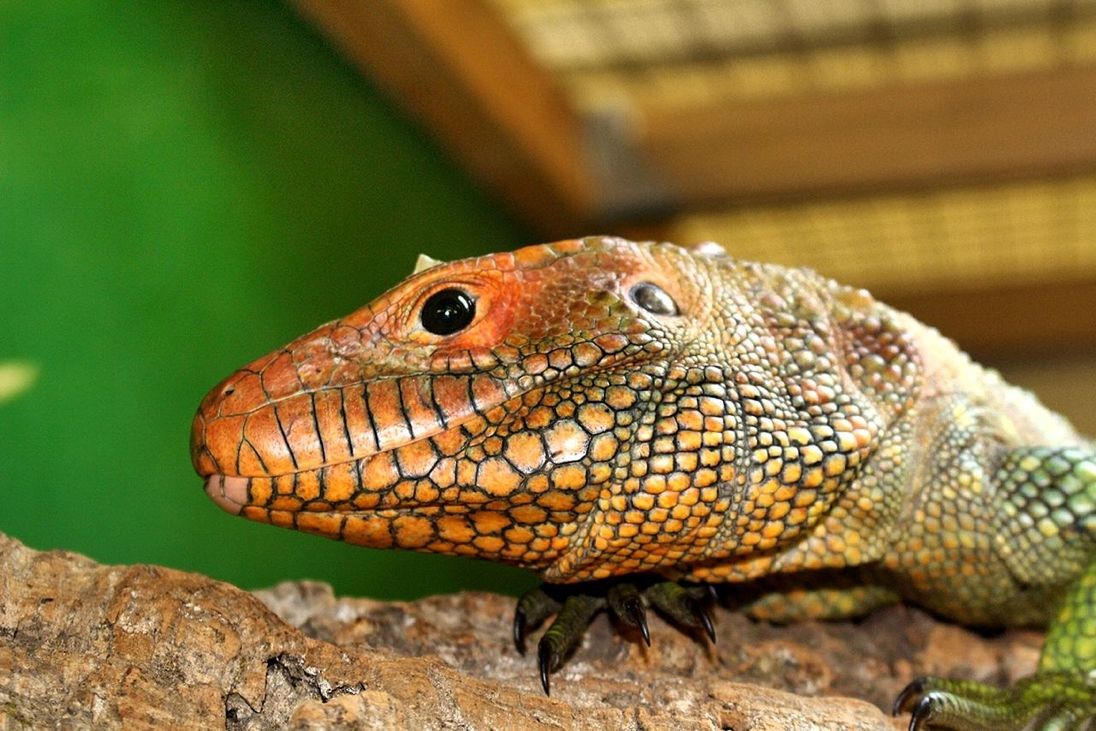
{"points": [[654, 299], [448, 311]]}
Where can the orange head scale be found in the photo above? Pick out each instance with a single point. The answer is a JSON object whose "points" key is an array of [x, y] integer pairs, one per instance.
{"points": [[561, 407]]}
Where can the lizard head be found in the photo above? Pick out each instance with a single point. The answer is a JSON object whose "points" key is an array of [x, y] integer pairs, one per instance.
{"points": [[480, 407], [585, 408]]}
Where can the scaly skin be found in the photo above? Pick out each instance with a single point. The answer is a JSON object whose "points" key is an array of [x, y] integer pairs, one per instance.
{"points": [[765, 426]]}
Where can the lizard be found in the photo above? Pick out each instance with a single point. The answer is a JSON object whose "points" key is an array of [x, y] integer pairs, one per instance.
{"points": [[638, 422]]}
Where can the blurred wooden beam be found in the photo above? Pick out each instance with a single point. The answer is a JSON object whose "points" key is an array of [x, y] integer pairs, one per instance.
{"points": [[1062, 381], [461, 73], [915, 135], [1023, 320], [457, 68]]}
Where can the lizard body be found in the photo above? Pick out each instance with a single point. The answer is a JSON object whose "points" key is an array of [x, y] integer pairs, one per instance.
{"points": [[600, 409]]}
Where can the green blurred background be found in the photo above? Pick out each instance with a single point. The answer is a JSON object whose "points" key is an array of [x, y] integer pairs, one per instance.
{"points": [[184, 187]]}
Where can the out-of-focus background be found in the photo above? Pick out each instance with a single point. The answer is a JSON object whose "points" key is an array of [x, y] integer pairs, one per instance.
{"points": [[187, 185]]}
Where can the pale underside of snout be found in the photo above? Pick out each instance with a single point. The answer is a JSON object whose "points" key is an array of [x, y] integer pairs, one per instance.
{"points": [[229, 492]]}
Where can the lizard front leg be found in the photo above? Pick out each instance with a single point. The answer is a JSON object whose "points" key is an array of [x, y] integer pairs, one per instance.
{"points": [[826, 597], [1049, 502], [575, 605], [1061, 695]]}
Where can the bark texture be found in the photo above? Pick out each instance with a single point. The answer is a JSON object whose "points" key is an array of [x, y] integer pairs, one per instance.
{"points": [[83, 644]]}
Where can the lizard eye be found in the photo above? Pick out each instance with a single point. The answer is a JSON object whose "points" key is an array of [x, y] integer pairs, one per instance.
{"points": [[448, 311], [654, 299]]}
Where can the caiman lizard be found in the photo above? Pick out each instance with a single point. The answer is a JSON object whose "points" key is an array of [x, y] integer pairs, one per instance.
{"points": [[639, 421]]}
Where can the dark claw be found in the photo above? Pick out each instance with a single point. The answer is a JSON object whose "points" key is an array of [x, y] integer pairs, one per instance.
{"points": [[638, 616], [519, 631], [682, 605], [532, 609], [546, 660], [904, 702], [626, 603], [705, 618], [919, 719], [565, 633]]}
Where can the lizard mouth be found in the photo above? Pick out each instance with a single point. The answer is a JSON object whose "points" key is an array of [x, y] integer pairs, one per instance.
{"points": [[231, 494], [385, 444]]}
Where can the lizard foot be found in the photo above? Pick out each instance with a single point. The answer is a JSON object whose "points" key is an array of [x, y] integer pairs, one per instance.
{"points": [[575, 606], [1046, 701]]}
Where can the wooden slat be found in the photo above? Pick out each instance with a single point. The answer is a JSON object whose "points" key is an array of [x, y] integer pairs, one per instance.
{"points": [[456, 68], [1003, 127]]}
